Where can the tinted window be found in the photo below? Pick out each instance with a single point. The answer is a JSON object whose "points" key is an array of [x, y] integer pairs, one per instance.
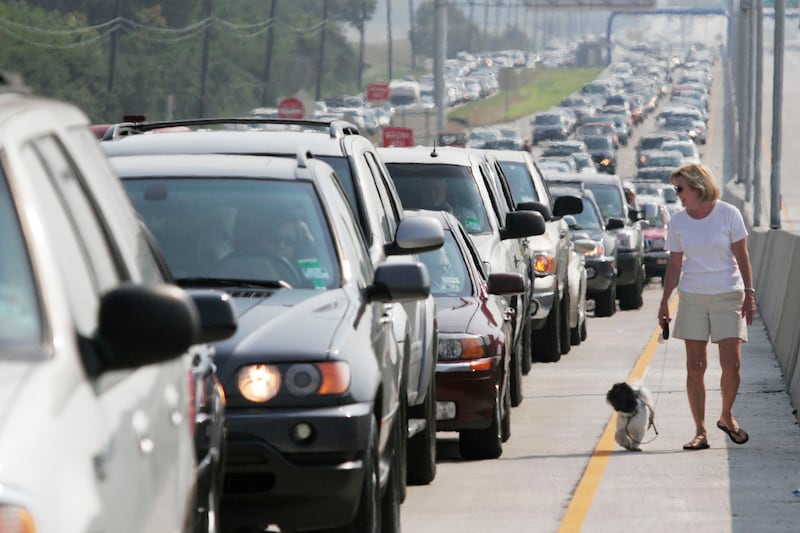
{"points": [[520, 182], [424, 186], [20, 321], [609, 200], [249, 229]]}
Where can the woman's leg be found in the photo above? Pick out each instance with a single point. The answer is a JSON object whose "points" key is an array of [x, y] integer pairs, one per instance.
{"points": [[696, 364], [730, 359]]}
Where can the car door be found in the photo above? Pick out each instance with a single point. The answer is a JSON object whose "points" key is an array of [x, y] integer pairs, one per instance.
{"points": [[140, 414]]}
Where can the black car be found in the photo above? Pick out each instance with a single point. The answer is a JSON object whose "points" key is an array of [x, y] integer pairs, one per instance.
{"points": [[601, 148], [601, 264], [550, 126], [311, 377]]}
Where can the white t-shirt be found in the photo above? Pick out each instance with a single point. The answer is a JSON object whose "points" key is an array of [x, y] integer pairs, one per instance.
{"points": [[709, 266]]}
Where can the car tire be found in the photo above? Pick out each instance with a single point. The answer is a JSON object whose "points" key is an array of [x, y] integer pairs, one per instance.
{"points": [[547, 341], [368, 515], [392, 494], [422, 446], [630, 296], [527, 348], [515, 379], [565, 336], [483, 443], [505, 420], [605, 304]]}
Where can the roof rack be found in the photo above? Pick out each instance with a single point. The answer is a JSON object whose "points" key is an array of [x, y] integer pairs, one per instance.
{"points": [[335, 128]]}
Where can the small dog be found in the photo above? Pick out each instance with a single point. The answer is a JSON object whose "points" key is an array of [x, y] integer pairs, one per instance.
{"points": [[635, 413]]}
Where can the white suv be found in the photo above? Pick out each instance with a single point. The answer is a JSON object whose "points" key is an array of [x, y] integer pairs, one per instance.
{"points": [[96, 426]]}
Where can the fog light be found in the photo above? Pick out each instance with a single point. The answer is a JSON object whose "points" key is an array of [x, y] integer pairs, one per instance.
{"points": [[302, 432], [445, 410]]}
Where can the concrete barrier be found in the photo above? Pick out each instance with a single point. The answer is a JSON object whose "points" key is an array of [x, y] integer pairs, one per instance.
{"points": [[775, 256]]}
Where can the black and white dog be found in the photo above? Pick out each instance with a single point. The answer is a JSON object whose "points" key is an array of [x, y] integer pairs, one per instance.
{"points": [[634, 407]]}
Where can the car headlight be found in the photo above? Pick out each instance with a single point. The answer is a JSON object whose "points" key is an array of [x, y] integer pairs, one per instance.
{"points": [[456, 347], [543, 264], [605, 162], [17, 519], [261, 383], [599, 250]]}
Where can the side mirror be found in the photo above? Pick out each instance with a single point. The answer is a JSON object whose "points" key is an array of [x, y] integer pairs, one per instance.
{"points": [[567, 205], [521, 224], [506, 283], [217, 315], [144, 324], [399, 282], [614, 223], [584, 246], [416, 234], [538, 207]]}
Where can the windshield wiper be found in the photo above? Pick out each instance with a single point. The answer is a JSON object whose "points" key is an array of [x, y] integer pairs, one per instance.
{"points": [[232, 282]]}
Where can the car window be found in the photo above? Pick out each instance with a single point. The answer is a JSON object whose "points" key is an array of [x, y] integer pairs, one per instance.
{"points": [[520, 182], [250, 229], [20, 319], [414, 183], [609, 200], [385, 211], [588, 218], [81, 285], [447, 269]]}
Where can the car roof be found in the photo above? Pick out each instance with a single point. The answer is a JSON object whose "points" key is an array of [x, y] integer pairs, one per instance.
{"points": [[440, 155], [215, 165]]}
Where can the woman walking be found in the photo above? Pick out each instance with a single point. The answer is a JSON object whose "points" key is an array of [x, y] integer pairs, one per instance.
{"points": [[710, 266]]}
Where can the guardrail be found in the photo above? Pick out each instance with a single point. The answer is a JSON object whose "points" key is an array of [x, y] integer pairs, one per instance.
{"points": [[775, 257]]}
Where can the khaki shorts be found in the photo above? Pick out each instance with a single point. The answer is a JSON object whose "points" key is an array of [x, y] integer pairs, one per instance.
{"points": [[714, 316]]}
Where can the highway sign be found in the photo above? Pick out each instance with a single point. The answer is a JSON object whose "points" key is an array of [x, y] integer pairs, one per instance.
{"points": [[398, 136], [291, 108], [377, 92]]}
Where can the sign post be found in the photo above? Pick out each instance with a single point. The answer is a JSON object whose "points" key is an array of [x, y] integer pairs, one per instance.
{"points": [[378, 92]]}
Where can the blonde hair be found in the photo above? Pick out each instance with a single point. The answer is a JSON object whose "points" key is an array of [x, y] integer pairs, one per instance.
{"points": [[699, 178]]}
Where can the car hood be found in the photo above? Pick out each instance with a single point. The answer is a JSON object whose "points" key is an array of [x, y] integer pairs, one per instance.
{"points": [[454, 314], [270, 324]]}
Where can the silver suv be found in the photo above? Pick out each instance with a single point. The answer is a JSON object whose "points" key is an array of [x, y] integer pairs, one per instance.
{"points": [[97, 421], [378, 211]]}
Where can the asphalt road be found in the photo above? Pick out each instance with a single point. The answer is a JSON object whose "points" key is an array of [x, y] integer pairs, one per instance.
{"points": [[561, 470]]}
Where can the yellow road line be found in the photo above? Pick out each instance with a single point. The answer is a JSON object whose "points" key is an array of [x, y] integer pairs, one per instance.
{"points": [[587, 487]]}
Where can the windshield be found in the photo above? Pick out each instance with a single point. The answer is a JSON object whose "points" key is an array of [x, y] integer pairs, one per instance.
{"points": [[239, 229], [449, 188], [609, 199]]}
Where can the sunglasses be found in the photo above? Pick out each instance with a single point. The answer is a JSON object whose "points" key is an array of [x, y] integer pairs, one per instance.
{"points": [[678, 189]]}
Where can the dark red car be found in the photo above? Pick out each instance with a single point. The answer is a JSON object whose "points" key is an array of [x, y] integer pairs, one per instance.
{"points": [[473, 396]]}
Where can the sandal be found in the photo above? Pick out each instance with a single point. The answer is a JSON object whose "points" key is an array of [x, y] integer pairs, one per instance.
{"points": [[700, 442], [739, 436]]}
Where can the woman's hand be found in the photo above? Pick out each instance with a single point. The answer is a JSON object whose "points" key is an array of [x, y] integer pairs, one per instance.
{"points": [[749, 307], [663, 313]]}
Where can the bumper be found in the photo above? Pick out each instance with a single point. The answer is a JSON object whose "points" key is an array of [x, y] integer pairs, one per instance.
{"points": [[628, 266], [472, 392], [600, 274], [655, 263], [271, 479], [544, 293]]}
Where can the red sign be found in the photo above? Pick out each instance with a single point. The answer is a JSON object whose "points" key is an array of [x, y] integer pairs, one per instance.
{"points": [[377, 92], [397, 136], [291, 108]]}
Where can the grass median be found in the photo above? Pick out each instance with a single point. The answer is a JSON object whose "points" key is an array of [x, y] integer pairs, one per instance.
{"points": [[527, 92]]}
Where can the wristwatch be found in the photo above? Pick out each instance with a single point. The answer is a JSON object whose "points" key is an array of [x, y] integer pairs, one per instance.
{"points": [[750, 290]]}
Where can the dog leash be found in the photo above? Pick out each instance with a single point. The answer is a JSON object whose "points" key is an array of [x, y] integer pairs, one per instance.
{"points": [[662, 339]]}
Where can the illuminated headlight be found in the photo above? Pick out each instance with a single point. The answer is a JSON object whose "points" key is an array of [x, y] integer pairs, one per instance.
{"points": [[599, 250], [642, 161], [543, 264], [605, 162], [17, 519], [455, 347], [259, 383]]}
